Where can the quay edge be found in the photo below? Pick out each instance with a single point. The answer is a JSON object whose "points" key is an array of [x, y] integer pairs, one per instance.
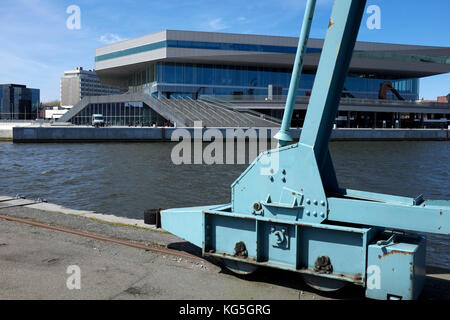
{"points": [[137, 134]]}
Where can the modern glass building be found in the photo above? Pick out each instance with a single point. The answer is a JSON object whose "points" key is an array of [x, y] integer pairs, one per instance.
{"points": [[17, 102], [239, 67], [186, 63]]}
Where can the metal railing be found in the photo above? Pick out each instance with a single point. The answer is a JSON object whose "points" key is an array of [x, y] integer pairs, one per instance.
{"points": [[231, 106], [305, 99]]}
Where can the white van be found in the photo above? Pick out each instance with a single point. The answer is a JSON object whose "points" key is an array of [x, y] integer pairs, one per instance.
{"points": [[98, 120]]}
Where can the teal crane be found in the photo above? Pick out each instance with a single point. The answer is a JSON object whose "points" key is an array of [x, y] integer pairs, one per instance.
{"points": [[291, 214]]}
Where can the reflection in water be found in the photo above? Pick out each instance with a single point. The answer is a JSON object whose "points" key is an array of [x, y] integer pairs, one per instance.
{"points": [[126, 178]]}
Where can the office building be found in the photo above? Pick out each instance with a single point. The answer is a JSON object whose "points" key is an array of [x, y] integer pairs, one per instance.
{"points": [[79, 83], [17, 102]]}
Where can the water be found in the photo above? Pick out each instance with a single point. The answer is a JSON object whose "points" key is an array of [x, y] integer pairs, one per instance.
{"points": [[126, 178]]}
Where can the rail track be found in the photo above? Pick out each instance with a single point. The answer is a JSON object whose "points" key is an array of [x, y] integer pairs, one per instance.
{"points": [[103, 238]]}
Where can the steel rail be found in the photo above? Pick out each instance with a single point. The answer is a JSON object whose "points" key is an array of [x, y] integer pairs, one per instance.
{"points": [[9, 199], [19, 205], [102, 238], [18, 197]]}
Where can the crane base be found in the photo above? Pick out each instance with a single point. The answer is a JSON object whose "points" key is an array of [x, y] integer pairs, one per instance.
{"points": [[329, 255]]}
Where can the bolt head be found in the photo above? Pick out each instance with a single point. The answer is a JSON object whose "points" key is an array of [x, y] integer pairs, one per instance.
{"points": [[257, 206]]}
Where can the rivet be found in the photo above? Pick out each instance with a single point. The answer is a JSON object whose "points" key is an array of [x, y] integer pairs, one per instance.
{"points": [[283, 172], [308, 201], [315, 214], [284, 179], [271, 178], [315, 202], [322, 215], [308, 213], [322, 203]]}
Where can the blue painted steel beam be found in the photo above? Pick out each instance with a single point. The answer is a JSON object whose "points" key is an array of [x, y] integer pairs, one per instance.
{"points": [[333, 68], [283, 135], [429, 216]]}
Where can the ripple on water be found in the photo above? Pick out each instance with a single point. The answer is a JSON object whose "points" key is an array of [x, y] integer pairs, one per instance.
{"points": [[70, 182], [49, 172]]}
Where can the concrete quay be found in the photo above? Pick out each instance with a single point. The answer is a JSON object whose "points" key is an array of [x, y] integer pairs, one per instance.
{"points": [[34, 263], [135, 134], [6, 128]]}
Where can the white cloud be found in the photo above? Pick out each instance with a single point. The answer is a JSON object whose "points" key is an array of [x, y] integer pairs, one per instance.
{"points": [[217, 24], [110, 38]]}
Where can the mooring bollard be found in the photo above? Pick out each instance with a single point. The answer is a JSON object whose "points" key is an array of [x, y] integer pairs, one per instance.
{"points": [[153, 217]]}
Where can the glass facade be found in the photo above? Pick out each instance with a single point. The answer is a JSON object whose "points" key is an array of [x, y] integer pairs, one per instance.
{"points": [[225, 81], [120, 114], [184, 79], [142, 80], [17, 102]]}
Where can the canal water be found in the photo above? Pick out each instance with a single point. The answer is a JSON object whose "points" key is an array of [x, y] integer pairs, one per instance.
{"points": [[124, 179]]}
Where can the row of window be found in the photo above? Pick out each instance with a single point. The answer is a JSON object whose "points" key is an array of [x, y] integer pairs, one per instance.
{"points": [[91, 87], [223, 79], [205, 46], [260, 77], [248, 80]]}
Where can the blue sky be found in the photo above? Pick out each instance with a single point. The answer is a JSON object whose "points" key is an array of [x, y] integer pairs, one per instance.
{"points": [[36, 46]]}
